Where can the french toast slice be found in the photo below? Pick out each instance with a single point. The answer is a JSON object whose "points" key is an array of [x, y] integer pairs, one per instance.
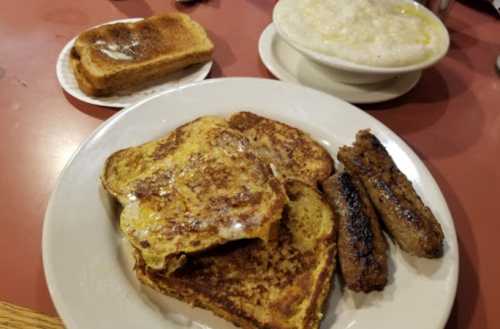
{"points": [[123, 56], [291, 153], [196, 188], [279, 285]]}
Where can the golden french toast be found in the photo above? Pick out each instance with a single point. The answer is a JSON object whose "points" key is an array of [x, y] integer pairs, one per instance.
{"points": [[124, 56], [196, 188], [291, 153], [279, 285]]}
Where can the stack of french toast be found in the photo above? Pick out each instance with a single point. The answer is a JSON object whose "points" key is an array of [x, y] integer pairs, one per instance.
{"points": [[246, 217]]}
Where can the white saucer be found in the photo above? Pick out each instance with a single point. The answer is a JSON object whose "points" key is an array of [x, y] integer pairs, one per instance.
{"points": [[174, 80], [287, 64]]}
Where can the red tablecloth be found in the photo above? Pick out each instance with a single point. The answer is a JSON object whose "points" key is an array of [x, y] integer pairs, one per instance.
{"points": [[451, 119]]}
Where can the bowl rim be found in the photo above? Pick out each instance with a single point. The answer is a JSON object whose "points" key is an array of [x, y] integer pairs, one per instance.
{"points": [[343, 64]]}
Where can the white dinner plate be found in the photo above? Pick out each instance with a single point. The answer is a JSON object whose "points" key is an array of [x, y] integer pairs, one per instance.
{"points": [[174, 80], [287, 64], [88, 269]]}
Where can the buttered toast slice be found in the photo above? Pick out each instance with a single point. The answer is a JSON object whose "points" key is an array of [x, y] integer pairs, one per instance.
{"points": [[122, 56], [280, 285], [291, 153], [194, 189]]}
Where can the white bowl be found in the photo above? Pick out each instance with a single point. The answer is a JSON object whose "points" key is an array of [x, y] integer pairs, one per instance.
{"points": [[350, 72]]}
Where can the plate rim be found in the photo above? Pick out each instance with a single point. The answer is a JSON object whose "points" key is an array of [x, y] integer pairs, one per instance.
{"points": [[265, 44], [55, 293], [98, 100]]}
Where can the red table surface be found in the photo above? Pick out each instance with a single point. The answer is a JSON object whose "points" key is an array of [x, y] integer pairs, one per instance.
{"points": [[451, 119]]}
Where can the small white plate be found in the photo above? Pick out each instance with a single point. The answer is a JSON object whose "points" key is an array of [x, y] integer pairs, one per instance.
{"points": [[289, 65], [174, 80], [87, 269]]}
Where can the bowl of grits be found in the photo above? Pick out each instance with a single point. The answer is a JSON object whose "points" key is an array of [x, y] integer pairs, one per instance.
{"points": [[365, 41]]}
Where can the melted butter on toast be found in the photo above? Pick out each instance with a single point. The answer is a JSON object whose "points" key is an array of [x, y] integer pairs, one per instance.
{"points": [[198, 187]]}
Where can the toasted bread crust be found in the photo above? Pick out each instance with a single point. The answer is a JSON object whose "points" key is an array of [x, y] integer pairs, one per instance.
{"points": [[83, 83], [274, 286], [126, 56]]}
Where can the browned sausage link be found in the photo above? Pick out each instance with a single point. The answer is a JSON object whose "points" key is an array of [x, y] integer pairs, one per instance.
{"points": [[361, 244], [405, 216]]}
